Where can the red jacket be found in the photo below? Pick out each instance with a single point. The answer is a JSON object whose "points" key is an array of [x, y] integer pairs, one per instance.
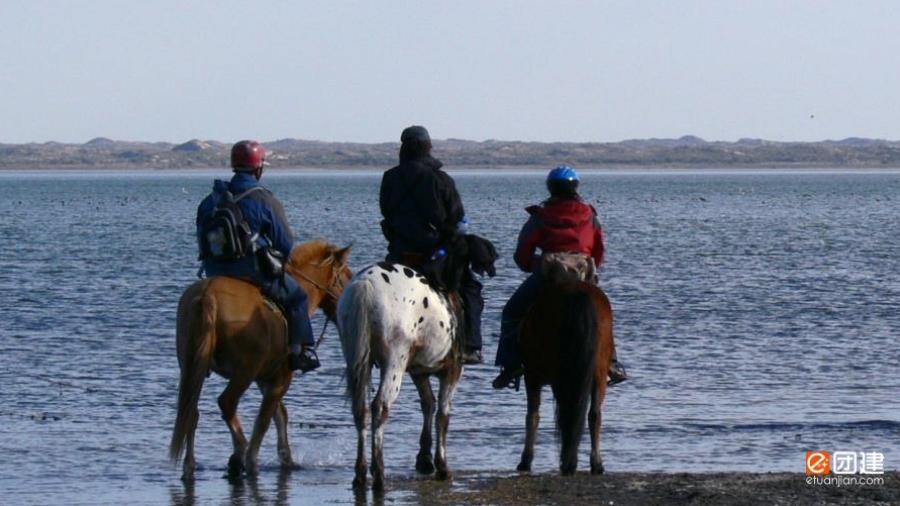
{"points": [[560, 225]]}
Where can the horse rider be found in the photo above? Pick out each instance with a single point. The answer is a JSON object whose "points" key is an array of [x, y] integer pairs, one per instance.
{"points": [[422, 213], [268, 226], [563, 223]]}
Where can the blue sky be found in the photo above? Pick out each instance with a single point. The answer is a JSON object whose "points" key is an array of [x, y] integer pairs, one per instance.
{"points": [[338, 70]]}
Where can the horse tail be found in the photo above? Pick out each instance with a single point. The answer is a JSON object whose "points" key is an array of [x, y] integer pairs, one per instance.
{"points": [[196, 342], [356, 336], [578, 354]]}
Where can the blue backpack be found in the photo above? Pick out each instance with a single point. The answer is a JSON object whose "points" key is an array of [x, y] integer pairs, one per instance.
{"points": [[224, 234]]}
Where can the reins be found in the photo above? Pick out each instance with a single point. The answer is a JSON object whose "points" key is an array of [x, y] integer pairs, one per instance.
{"points": [[322, 335]]}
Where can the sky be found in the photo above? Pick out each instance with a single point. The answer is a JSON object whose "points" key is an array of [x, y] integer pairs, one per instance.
{"points": [[512, 70]]}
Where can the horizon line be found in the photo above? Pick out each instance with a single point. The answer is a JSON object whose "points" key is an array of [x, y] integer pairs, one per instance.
{"points": [[684, 138]]}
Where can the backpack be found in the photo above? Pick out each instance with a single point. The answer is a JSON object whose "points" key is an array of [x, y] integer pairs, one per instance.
{"points": [[564, 267], [224, 233]]}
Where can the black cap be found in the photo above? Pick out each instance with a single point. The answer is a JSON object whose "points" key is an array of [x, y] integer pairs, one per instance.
{"points": [[415, 133]]}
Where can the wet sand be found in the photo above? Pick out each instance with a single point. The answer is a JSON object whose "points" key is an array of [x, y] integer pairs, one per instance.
{"points": [[639, 489]]}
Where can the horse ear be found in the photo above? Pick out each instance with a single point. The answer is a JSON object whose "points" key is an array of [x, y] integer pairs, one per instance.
{"points": [[342, 254]]}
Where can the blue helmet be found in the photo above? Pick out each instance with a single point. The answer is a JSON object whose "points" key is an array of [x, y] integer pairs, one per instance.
{"points": [[562, 182], [562, 173]]}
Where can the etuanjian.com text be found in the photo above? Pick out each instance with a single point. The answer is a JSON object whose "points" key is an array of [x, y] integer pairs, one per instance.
{"points": [[845, 481]]}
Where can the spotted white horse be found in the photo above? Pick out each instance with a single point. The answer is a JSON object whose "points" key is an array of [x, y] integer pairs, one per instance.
{"points": [[388, 316]]}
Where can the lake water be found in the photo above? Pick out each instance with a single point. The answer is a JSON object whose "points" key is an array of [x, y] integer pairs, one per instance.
{"points": [[756, 311]]}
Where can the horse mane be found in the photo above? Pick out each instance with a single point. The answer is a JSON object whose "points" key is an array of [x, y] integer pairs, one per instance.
{"points": [[309, 251]]}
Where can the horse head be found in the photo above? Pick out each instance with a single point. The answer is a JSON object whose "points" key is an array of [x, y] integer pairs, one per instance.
{"points": [[322, 269]]}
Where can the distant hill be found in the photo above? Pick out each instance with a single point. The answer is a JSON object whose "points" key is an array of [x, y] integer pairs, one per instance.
{"points": [[687, 151]]}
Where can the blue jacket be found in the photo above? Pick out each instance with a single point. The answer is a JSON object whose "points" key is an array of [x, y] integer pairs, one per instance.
{"points": [[263, 213]]}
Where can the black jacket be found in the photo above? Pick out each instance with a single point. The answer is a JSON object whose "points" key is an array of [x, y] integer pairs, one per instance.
{"points": [[420, 205]]}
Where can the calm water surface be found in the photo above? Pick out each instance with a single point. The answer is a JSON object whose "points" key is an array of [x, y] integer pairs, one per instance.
{"points": [[757, 313]]}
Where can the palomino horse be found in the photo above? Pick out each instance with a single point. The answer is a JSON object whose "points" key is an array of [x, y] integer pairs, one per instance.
{"points": [[389, 317], [567, 343], [227, 327]]}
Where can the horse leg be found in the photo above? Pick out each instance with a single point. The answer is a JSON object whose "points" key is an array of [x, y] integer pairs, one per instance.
{"points": [[360, 419], [388, 390], [228, 403], [284, 447], [271, 401], [358, 389], [379, 418], [532, 419], [448, 382], [424, 462], [594, 423], [190, 464]]}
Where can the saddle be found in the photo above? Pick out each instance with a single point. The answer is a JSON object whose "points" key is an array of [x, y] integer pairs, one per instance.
{"points": [[268, 301], [273, 305]]}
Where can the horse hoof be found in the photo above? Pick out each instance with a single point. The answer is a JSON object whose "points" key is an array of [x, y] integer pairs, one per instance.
{"points": [[359, 483], [523, 467], [444, 475], [598, 469], [286, 460], [378, 485], [424, 465], [235, 466]]}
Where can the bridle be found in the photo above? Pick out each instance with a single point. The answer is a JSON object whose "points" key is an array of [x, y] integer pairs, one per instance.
{"points": [[331, 290]]}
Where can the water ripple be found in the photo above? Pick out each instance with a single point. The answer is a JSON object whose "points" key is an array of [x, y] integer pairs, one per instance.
{"points": [[757, 314]]}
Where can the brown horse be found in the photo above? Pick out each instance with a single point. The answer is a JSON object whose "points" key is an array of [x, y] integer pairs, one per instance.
{"points": [[567, 343], [227, 327]]}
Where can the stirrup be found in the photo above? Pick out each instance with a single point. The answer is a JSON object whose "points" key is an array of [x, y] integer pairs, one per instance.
{"points": [[510, 377], [306, 360]]}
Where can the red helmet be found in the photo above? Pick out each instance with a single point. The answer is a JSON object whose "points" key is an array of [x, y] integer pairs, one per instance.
{"points": [[248, 155]]}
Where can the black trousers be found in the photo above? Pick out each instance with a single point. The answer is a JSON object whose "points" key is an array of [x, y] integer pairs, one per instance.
{"points": [[473, 306]]}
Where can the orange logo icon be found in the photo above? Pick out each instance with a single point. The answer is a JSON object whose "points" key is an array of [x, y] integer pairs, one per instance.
{"points": [[818, 462]]}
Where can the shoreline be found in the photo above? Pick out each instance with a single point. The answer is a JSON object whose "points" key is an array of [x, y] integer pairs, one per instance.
{"points": [[643, 489], [684, 152], [467, 168]]}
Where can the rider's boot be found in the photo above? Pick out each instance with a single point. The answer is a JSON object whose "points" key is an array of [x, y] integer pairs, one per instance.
{"points": [[301, 343], [616, 371], [472, 356], [306, 359], [509, 377]]}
